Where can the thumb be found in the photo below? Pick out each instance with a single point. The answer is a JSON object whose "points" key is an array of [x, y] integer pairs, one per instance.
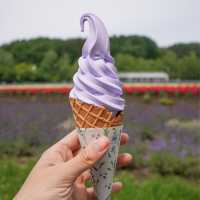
{"points": [[85, 159]]}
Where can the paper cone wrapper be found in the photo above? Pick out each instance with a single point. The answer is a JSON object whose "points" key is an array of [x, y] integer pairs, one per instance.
{"points": [[103, 171]]}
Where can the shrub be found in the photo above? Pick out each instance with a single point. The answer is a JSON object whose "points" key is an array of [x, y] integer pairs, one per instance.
{"points": [[165, 163], [189, 94], [147, 97], [163, 93], [147, 134], [166, 101], [168, 164], [191, 168], [17, 148], [138, 152]]}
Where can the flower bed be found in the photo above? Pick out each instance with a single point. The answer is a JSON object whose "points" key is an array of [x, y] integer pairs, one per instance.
{"points": [[174, 89]]}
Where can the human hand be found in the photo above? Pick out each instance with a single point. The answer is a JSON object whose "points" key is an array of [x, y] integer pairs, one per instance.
{"points": [[63, 169]]}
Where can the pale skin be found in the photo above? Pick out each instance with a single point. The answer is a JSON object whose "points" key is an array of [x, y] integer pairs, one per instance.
{"points": [[63, 169]]}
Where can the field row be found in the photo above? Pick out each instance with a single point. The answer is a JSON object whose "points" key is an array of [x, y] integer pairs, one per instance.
{"points": [[174, 89]]}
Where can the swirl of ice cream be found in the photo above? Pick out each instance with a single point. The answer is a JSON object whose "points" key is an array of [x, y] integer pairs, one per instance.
{"points": [[96, 82]]}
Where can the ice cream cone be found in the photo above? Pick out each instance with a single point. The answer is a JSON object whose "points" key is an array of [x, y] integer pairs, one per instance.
{"points": [[91, 116], [93, 122], [97, 102]]}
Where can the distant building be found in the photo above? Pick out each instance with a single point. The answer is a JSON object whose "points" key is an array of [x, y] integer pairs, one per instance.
{"points": [[132, 77]]}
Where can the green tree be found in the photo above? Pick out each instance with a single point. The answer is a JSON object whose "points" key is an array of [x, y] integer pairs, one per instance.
{"points": [[48, 66], [25, 72], [65, 69], [125, 62], [183, 49], [189, 67], [138, 46], [7, 63], [54, 58], [169, 63]]}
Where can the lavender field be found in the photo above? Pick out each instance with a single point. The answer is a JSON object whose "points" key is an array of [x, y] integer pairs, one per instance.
{"points": [[44, 119], [164, 141]]}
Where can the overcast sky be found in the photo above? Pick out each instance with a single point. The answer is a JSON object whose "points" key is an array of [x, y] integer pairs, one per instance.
{"points": [[166, 21]]}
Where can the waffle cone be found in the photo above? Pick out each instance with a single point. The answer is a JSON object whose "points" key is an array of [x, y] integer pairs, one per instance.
{"points": [[91, 116]]}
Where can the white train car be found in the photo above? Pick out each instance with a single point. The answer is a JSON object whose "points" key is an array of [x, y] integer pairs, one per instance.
{"points": [[150, 77]]}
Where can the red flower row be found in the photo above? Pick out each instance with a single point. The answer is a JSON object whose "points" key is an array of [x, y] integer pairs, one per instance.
{"points": [[193, 89], [36, 90], [171, 89]]}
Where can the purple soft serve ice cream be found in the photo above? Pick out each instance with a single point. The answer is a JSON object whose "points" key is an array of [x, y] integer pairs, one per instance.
{"points": [[96, 82]]}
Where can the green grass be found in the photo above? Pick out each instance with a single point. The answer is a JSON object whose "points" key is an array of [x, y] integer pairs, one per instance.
{"points": [[156, 188], [12, 175], [13, 172]]}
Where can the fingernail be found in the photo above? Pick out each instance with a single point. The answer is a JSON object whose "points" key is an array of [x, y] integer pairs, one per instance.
{"points": [[128, 157], [102, 143], [119, 183]]}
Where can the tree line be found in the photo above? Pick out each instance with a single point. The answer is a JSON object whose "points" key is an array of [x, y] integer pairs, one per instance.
{"points": [[55, 60]]}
